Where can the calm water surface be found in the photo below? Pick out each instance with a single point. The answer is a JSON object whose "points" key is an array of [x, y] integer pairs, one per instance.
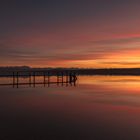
{"points": [[97, 108]]}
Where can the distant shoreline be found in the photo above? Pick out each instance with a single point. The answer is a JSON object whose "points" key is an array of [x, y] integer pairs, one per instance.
{"points": [[8, 71]]}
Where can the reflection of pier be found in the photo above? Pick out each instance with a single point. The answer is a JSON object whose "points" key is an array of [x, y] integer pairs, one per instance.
{"points": [[67, 78]]}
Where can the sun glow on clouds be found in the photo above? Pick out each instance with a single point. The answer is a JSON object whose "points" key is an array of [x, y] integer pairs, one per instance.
{"points": [[108, 53], [91, 35]]}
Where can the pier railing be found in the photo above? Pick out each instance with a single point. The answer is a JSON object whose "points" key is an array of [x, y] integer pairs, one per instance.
{"points": [[62, 77]]}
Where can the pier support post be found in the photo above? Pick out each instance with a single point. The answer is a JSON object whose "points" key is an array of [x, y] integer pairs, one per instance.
{"points": [[13, 79], [57, 78], [67, 78], [44, 79], [34, 78], [30, 79], [17, 79], [48, 79], [62, 78]]}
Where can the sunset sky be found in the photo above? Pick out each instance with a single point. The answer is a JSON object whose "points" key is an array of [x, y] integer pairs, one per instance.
{"points": [[70, 33]]}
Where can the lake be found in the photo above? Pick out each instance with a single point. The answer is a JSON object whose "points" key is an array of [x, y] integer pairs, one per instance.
{"points": [[97, 108]]}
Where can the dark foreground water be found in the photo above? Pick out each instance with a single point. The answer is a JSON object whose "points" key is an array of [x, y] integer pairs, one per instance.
{"points": [[98, 108]]}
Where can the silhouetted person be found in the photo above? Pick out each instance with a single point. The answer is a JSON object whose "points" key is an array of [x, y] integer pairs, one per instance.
{"points": [[73, 78]]}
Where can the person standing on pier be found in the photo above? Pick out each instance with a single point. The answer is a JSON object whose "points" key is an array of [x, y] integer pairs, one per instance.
{"points": [[73, 78]]}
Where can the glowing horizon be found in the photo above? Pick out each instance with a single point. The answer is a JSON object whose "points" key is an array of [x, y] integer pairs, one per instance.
{"points": [[83, 34]]}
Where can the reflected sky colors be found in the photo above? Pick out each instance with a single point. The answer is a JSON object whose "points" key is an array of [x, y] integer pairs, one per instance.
{"points": [[70, 33], [98, 107]]}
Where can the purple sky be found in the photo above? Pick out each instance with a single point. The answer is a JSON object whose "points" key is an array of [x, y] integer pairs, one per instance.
{"points": [[70, 33]]}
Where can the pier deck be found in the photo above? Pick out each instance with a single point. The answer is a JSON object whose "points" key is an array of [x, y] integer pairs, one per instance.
{"points": [[61, 78]]}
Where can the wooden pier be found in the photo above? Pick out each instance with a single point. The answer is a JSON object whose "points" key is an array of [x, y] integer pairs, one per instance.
{"points": [[62, 78]]}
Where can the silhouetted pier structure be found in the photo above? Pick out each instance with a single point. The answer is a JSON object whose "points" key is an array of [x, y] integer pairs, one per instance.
{"points": [[67, 78]]}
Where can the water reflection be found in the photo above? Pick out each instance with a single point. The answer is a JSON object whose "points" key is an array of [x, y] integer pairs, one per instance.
{"points": [[99, 107], [34, 81]]}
